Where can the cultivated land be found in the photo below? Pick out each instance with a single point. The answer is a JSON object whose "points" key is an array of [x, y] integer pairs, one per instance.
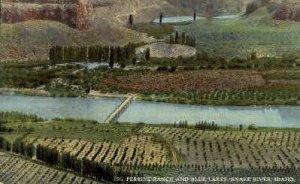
{"points": [[17, 170], [252, 60], [146, 149]]}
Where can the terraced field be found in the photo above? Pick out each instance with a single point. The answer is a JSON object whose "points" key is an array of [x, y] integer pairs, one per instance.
{"points": [[14, 170], [233, 149]]}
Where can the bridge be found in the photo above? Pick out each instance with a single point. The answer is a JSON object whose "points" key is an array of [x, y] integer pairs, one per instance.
{"points": [[115, 115]]}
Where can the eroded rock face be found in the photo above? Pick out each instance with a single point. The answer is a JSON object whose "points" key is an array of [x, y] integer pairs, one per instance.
{"points": [[288, 12], [75, 13]]}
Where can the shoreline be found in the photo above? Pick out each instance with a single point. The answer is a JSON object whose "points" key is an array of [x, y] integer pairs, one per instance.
{"points": [[141, 97]]}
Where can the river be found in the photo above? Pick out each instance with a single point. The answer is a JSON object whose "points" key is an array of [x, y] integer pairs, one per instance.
{"points": [[152, 112]]}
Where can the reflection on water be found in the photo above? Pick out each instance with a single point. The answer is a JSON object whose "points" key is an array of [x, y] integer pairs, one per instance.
{"points": [[274, 116]]}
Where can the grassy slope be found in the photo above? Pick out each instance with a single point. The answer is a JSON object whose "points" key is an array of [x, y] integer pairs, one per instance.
{"points": [[233, 38]]}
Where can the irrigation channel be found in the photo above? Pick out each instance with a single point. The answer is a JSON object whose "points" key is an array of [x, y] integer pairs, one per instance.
{"points": [[110, 108]]}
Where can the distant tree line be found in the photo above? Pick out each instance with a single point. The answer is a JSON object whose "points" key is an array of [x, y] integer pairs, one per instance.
{"points": [[59, 54], [204, 125], [4, 144], [201, 125], [18, 117], [183, 39]]}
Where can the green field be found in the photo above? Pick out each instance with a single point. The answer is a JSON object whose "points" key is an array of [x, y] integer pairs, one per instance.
{"points": [[239, 38]]}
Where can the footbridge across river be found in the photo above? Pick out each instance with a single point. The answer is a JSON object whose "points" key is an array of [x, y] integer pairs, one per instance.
{"points": [[115, 115], [120, 109]]}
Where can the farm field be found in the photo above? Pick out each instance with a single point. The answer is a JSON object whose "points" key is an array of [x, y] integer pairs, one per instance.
{"points": [[110, 91], [149, 150], [132, 151], [233, 149], [14, 170], [220, 87], [180, 147], [187, 81]]}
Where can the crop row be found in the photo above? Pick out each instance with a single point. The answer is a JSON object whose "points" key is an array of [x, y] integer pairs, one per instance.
{"points": [[234, 149], [15, 170], [134, 151]]}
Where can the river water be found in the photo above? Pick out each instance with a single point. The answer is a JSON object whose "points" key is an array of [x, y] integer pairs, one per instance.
{"points": [[152, 112], [268, 116], [50, 107]]}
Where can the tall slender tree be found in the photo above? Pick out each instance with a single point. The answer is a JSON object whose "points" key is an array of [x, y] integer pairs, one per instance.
{"points": [[161, 16], [176, 37], [131, 20], [147, 54], [112, 58], [183, 38]]}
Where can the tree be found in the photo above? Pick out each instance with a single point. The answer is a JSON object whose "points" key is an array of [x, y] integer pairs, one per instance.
{"points": [[106, 53], [99, 53], [183, 38], [161, 16], [130, 20], [176, 37], [147, 54], [253, 55], [56, 54], [171, 41], [241, 127], [134, 60], [112, 58]]}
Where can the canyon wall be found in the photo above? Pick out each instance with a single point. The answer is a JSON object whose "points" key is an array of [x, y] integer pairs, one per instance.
{"points": [[75, 13], [288, 12]]}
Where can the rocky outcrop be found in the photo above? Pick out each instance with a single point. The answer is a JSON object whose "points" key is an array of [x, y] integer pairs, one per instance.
{"points": [[288, 12], [214, 6], [75, 13], [279, 9]]}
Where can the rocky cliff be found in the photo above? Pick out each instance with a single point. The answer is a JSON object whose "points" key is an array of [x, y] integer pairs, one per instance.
{"points": [[278, 9], [288, 12], [75, 13]]}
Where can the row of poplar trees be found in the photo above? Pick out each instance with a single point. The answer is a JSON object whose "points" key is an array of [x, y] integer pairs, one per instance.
{"points": [[51, 156], [84, 167], [62, 54], [183, 39]]}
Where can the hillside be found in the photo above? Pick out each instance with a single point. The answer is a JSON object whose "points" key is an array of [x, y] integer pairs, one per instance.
{"points": [[30, 27], [277, 9]]}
